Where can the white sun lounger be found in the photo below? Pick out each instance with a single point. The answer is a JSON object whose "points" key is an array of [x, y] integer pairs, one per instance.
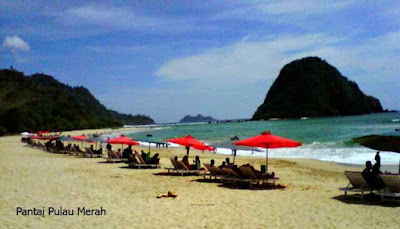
{"points": [[392, 183], [357, 184]]}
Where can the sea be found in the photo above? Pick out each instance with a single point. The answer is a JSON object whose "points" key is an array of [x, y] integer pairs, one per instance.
{"points": [[325, 139]]}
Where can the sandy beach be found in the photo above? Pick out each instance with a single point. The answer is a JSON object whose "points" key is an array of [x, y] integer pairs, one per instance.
{"points": [[31, 178]]}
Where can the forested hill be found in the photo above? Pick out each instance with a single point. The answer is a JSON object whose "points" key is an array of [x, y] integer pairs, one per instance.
{"points": [[312, 87], [38, 102]]}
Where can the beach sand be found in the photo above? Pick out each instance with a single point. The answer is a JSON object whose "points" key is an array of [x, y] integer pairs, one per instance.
{"points": [[33, 178]]}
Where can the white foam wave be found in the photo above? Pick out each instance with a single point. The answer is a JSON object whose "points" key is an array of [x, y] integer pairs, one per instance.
{"points": [[348, 155]]}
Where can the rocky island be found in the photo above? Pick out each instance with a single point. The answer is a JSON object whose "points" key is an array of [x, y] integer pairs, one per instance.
{"points": [[311, 87], [197, 118]]}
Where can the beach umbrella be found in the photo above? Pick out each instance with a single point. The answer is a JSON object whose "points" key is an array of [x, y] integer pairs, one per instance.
{"points": [[122, 140], [228, 144], [268, 141], [95, 139], [26, 134], [66, 138], [188, 142], [79, 137], [389, 141], [40, 132]]}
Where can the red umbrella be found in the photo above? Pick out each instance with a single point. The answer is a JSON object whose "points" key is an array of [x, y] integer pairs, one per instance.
{"points": [[268, 141], [40, 132], [123, 140], [189, 141], [79, 138]]}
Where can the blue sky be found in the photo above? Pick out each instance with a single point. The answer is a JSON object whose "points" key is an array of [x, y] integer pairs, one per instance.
{"points": [[167, 59]]}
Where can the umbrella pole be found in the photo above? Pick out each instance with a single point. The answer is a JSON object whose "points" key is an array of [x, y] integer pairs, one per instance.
{"points": [[234, 156], [266, 165], [149, 147]]}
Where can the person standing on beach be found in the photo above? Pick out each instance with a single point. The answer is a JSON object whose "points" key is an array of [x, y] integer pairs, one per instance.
{"points": [[109, 147]]}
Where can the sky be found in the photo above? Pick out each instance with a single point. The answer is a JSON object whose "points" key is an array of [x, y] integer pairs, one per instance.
{"points": [[167, 59]]}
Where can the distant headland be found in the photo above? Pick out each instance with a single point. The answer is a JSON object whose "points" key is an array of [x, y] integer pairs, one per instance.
{"points": [[311, 87], [40, 102]]}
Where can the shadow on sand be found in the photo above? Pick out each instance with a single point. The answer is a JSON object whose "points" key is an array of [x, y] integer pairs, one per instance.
{"points": [[369, 200], [241, 186], [174, 174]]}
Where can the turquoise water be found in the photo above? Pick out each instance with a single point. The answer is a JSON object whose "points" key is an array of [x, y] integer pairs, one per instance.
{"points": [[328, 139]]}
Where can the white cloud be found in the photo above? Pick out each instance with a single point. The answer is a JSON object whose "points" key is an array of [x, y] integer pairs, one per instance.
{"points": [[372, 63], [245, 61], [123, 18], [15, 43], [301, 6]]}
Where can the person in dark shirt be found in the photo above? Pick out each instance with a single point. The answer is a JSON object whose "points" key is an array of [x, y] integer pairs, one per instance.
{"points": [[366, 173], [109, 148], [128, 151], [212, 162], [155, 159], [185, 161]]}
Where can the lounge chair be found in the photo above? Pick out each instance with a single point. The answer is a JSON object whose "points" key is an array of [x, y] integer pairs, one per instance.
{"points": [[231, 176], [251, 177], [181, 168], [215, 172], [142, 163], [113, 158], [392, 183], [89, 153], [357, 184]]}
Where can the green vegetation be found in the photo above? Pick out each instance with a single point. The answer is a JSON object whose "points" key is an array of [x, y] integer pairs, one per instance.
{"points": [[40, 102], [311, 87]]}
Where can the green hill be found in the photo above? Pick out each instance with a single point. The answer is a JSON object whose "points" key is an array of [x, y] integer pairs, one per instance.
{"points": [[37, 102], [312, 87]]}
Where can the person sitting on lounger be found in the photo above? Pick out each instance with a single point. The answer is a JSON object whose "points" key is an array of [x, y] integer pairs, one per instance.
{"points": [[212, 162], [366, 173], [176, 158], [99, 151], [128, 151], [223, 165], [155, 159], [143, 154], [92, 149], [185, 161], [119, 153], [376, 179], [228, 164], [197, 163]]}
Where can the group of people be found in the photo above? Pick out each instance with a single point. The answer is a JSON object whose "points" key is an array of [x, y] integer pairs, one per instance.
{"points": [[133, 155], [228, 165], [196, 162], [371, 173]]}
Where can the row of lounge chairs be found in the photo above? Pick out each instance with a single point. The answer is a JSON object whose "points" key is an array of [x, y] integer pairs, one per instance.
{"points": [[181, 168], [358, 184], [87, 153], [141, 163], [227, 175]]}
